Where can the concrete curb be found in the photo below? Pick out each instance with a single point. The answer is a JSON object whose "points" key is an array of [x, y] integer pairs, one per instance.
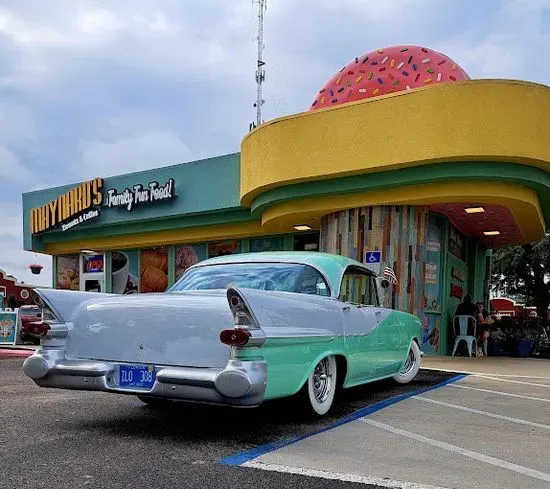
{"points": [[11, 351]]}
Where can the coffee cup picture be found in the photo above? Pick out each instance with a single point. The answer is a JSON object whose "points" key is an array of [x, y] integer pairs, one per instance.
{"points": [[120, 270]]}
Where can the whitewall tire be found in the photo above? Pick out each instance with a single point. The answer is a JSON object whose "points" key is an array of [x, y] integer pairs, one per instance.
{"points": [[411, 366], [321, 387]]}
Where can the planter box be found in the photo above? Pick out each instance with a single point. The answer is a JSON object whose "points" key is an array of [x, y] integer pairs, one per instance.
{"points": [[494, 348], [523, 347]]}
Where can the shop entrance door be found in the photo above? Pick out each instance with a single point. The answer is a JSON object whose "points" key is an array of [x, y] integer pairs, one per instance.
{"points": [[92, 272]]}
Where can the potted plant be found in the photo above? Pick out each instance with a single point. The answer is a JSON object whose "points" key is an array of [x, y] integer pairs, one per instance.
{"points": [[36, 268], [524, 342], [497, 337]]}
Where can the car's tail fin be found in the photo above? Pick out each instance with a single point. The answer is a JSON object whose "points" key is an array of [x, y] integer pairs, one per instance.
{"points": [[59, 305], [247, 330]]}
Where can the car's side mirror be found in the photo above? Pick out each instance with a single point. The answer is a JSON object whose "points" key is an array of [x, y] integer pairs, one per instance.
{"points": [[382, 284]]}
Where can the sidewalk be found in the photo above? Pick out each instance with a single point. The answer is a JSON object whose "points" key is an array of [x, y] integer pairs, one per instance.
{"points": [[497, 366]]}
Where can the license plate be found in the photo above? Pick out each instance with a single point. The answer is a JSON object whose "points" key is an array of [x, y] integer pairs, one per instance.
{"points": [[137, 376]]}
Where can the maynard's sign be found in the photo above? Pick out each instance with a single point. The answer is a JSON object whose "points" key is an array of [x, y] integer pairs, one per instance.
{"points": [[70, 209]]}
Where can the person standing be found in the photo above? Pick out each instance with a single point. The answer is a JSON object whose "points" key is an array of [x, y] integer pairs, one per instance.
{"points": [[466, 307]]}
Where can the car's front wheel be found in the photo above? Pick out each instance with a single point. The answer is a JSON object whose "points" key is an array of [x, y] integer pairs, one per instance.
{"points": [[411, 366], [321, 386]]}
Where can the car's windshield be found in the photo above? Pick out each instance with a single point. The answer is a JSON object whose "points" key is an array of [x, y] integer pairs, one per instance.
{"points": [[287, 277]]}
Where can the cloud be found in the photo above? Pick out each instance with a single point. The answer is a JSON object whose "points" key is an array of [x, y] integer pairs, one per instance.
{"points": [[511, 45], [11, 168], [141, 151], [17, 123], [97, 87]]}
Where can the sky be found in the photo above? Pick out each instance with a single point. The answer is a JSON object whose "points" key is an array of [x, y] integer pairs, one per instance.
{"points": [[99, 88]]}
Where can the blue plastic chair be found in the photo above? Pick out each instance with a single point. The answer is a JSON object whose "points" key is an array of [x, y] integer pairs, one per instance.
{"points": [[461, 333]]}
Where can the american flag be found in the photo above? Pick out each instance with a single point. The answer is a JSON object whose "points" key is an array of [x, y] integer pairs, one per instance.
{"points": [[389, 274]]}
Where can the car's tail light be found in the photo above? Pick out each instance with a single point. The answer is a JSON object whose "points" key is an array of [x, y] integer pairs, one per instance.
{"points": [[39, 329], [241, 313], [235, 337]]}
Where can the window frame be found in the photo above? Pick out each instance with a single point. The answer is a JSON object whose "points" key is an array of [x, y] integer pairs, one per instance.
{"points": [[354, 269]]}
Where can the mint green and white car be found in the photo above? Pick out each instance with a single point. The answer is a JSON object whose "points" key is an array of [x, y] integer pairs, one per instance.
{"points": [[235, 330]]}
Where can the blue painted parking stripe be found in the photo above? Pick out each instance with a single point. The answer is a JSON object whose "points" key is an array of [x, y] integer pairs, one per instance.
{"points": [[246, 456]]}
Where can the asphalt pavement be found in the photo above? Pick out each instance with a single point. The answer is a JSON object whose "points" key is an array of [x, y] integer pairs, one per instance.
{"points": [[67, 439]]}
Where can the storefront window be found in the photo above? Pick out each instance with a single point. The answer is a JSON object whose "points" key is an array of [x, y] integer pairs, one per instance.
{"points": [[187, 256], [275, 243], [224, 248], [124, 269], [153, 270], [306, 242], [68, 272]]}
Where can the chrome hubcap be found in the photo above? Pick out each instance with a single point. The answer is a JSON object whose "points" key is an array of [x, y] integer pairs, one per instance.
{"points": [[322, 380], [409, 363]]}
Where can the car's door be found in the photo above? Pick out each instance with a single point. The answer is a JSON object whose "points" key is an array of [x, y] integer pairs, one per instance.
{"points": [[372, 342]]}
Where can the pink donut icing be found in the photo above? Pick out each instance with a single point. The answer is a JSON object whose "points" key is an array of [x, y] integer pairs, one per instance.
{"points": [[387, 70]]}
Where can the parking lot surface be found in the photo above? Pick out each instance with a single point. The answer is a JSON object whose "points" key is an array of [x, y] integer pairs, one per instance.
{"points": [[68, 439]]}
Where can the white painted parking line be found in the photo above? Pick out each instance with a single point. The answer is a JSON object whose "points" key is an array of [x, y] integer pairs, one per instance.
{"points": [[485, 413], [475, 373], [536, 474], [321, 474], [511, 381], [500, 393]]}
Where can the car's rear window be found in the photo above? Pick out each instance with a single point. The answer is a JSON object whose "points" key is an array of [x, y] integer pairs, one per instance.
{"points": [[286, 277]]}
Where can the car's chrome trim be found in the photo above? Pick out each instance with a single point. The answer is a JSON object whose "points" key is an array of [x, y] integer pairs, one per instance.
{"points": [[187, 376], [239, 383], [87, 368]]}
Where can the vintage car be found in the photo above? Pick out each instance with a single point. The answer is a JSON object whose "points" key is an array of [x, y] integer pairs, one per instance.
{"points": [[235, 330]]}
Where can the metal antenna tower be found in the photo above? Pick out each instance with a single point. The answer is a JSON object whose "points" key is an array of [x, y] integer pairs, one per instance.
{"points": [[260, 72]]}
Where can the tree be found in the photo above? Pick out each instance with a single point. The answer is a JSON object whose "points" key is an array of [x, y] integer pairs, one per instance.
{"points": [[525, 271]]}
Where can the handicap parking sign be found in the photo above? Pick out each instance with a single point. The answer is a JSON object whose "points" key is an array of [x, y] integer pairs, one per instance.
{"points": [[372, 257], [372, 260]]}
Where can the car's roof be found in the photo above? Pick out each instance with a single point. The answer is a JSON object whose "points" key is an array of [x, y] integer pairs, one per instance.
{"points": [[331, 265]]}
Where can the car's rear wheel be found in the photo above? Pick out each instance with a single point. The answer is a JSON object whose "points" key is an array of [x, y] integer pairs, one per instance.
{"points": [[411, 366], [321, 387]]}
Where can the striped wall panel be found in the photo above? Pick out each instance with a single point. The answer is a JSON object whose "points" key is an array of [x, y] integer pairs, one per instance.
{"points": [[399, 232]]}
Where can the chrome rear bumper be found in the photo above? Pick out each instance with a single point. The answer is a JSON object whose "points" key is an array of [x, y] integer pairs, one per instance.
{"points": [[237, 384]]}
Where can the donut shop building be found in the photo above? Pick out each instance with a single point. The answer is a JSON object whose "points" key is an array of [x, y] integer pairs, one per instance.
{"points": [[401, 159]]}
